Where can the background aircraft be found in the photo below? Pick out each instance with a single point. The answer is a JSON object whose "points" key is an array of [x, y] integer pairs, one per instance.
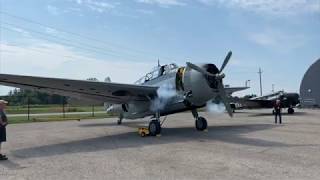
{"points": [[165, 90], [288, 100]]}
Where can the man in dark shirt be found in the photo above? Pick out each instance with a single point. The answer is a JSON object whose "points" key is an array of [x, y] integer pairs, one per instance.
{"points": [[277, 111], [3, 124]]}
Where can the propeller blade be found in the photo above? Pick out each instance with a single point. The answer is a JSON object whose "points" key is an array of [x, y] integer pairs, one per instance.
{"points": [[225, 99], [199, 69], [226, 60]]}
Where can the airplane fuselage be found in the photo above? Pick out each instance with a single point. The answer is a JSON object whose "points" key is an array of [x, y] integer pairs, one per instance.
{"points": [[180, 89]]}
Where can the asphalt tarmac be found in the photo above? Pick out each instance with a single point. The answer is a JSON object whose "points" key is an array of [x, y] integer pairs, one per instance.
{"points": [[249, 146]]}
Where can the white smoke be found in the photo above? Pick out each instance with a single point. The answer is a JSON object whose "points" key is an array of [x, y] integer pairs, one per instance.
{"points": [[165, 93], [214, 108]]}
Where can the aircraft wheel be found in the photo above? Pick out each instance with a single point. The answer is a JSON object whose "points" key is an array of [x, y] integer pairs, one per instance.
{"points": [[201, 124], [154, 128], [143, 134], [290, 111]]}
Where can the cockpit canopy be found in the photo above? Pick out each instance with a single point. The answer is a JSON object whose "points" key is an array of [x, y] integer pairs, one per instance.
{"points": [[156, 72]]}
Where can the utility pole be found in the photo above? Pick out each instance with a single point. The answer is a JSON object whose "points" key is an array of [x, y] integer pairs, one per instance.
{"points": [[260, 74]]}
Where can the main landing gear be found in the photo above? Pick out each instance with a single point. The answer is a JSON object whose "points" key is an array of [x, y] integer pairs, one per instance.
{"points": [[119, 122], [155, 126], [201, 122], [290, 110]]}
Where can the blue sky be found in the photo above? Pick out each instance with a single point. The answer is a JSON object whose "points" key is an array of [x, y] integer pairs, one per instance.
{"points": [[78, 39]]}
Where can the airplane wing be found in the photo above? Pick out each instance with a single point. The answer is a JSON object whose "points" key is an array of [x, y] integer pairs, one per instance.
{"points": [[259, 103], [231, 90], [96, 91]]}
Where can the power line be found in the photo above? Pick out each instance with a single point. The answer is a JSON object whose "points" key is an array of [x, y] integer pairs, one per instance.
{"points": [[45, 52], [66, 41], [79, 35]]}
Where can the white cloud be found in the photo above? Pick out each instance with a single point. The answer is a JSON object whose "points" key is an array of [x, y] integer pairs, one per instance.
{"points": [[53, 10], [51, 31], [95, 5], [145, 11], [280, 7], [277, 40], [19, 30], [164, 3], [54, 60]]}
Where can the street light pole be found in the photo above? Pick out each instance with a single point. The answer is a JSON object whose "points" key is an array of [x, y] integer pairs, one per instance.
{"points": [[272, 88], [247, 84]]}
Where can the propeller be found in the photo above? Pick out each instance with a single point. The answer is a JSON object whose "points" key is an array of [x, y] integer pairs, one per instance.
{"points": [[226, 61], [199, 69], [219, 77], [225, 99]]}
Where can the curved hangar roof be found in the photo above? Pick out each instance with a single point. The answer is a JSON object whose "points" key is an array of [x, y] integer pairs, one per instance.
{"points": [[310, 86]]}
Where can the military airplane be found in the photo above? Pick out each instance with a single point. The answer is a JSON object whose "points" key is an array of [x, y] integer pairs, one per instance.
{"points": [[288, 100], [167, 89]]}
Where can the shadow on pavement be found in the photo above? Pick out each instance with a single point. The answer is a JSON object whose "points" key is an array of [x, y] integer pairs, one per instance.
{"points": [[283, 114], [233, 134], [11, 165]]}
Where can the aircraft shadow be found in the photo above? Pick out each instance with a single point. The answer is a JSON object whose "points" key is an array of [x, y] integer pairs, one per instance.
{"points": [[233, 134], [104, 124]]}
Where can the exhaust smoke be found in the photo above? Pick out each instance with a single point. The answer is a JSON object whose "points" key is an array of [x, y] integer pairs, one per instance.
{"points": [[165, 93], [214, 108]]}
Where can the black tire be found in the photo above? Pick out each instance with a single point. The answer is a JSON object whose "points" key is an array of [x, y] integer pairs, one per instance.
{"points": [[143, 134], [154, 128], [290, 111], [119, 122], [201, 124], [273, 112]]}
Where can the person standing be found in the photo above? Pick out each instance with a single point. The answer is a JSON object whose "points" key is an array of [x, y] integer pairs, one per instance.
{"points": [[277, 112], [3, 124]]}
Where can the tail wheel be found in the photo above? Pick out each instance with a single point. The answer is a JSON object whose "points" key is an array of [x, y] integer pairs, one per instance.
{"points": [[201, 124], [154, 128]]}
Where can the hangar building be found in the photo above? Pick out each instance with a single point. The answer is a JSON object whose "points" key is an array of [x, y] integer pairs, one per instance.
{"points": [[310, 86]]}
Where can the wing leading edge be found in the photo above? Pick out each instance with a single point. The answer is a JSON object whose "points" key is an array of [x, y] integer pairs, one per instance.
{"points": [[81, 89]]}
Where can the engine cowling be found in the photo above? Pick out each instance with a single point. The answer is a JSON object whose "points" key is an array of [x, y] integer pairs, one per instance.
{"points": [[201, 87]]}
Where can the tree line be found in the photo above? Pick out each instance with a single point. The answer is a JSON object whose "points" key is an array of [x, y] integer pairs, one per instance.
{"points": [[18, 97]]}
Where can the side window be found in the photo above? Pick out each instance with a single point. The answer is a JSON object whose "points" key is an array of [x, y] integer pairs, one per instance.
{"points": [[161, 71]]}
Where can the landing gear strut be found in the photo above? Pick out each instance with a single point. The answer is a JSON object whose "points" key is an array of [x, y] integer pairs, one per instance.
{"points": [[119, 122], [155, 126], [201, 122]]}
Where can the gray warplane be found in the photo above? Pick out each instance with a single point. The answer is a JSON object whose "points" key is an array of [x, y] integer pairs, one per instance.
{"points": [[166, 90]]}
